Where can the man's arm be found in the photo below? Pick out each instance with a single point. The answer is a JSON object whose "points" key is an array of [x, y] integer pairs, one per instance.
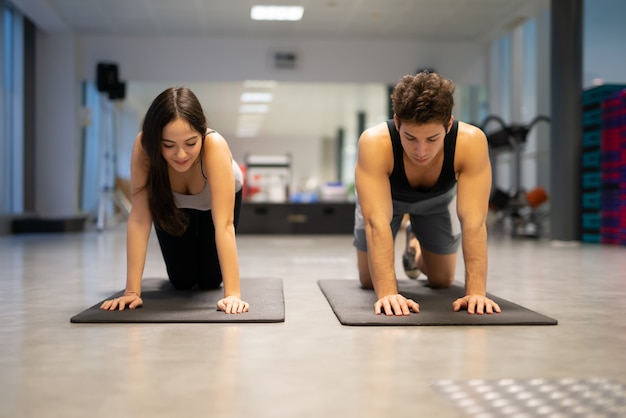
{"points": [[473, 189], [374, 163]]}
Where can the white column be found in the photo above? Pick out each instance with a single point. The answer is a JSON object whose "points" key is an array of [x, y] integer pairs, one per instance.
{"points": [[57, 136]]}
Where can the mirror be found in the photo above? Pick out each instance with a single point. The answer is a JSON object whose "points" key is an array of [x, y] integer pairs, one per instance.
{"points": [[302, 120]]}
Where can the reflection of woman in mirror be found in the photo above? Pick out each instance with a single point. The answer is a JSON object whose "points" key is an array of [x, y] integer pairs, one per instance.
{"points": [[185, 181]]}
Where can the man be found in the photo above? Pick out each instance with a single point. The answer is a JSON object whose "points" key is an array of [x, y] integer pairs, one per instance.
{"points": [[437, 170]]}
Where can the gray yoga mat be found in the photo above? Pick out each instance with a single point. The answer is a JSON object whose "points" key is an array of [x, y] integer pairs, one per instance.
{"points": [[354, 305], [163, 303]]}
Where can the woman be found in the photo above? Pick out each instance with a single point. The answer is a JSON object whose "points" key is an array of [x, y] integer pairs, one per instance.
{"points": [[184, 179]]}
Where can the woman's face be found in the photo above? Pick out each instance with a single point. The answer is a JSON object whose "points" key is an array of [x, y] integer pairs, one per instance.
{"points": [[180, 145]]}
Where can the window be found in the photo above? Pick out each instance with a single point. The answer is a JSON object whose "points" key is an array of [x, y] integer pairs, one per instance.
{"points": [[12, 119]]}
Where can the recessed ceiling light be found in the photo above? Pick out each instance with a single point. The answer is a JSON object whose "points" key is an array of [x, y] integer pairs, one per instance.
{"points": [[254, 108], [250, 119], [256, 97], [247, 132], [289, 13], [260, 84]]}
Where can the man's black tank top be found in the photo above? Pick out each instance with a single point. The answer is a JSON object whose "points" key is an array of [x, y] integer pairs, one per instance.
{"points": [[400, 187]]}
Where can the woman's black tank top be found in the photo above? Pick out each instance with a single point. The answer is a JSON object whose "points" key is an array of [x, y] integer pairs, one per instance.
{"points": [[400, 187]]}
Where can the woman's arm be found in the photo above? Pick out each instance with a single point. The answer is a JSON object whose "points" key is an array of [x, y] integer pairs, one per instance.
{"points": [[218, 163], [137, 233]]}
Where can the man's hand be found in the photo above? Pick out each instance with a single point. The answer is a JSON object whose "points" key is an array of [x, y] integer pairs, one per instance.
{"points": [[395, 305], [478, 304]]}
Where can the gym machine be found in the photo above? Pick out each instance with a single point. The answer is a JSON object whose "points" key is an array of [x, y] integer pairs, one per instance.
{"points": [[519, 206]]}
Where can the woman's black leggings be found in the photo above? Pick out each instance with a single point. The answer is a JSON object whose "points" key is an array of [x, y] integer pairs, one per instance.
{"points": [[191, 259]]}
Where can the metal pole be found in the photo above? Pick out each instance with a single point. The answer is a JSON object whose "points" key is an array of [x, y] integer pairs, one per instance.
{"points": [[566, 126]]}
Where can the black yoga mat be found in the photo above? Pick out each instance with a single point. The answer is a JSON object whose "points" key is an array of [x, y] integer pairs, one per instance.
{"points": [[163, 303], [354, 305]]}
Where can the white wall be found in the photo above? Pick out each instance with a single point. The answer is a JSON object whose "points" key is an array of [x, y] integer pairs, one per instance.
{"points": [[205, 59], [57, 156]]}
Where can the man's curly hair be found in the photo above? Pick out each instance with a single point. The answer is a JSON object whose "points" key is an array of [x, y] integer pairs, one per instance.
{"points": [[423, 98]]}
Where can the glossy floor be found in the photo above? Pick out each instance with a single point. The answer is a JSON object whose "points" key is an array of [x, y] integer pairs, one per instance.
{"points": [[308, 366]]}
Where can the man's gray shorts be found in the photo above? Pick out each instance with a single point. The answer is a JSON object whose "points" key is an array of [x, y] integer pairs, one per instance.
{"points": [[434, 222]]}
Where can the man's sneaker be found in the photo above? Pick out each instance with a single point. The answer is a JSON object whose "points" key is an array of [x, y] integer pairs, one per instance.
{"points": [[408, 257]]}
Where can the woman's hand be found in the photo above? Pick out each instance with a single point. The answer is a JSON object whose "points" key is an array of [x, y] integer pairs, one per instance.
{"points": [[232, 304], [130, 299]]}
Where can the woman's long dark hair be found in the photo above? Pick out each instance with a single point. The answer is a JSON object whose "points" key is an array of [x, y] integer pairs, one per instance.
{"points": [[172, 104]]}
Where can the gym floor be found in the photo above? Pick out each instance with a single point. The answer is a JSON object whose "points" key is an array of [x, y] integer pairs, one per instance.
{"points": [[310, 365]]}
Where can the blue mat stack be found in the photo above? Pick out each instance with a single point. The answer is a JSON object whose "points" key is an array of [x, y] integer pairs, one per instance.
{"points": [[592, 176], [613, 166]]}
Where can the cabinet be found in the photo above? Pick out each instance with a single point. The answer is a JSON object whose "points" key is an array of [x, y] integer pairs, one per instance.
{"points": [[296, 218]]}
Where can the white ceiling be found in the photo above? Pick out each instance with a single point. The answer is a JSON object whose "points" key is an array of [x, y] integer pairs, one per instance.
{"points": [[469, 20], [451, 20]]}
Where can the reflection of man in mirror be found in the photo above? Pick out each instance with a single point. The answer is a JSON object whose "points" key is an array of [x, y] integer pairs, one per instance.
{"points": [[425, 164]]}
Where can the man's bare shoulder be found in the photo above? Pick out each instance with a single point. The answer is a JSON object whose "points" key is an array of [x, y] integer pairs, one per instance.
{"points": [[375, 151], [376, 133], [469, 132], [471, 143]]}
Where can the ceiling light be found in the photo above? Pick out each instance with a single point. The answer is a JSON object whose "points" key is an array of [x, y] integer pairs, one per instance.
{"points": [[260, 84], [256, 97], [249, 118], [254, 108], [247, 133], [290, 13], [249, 126]]}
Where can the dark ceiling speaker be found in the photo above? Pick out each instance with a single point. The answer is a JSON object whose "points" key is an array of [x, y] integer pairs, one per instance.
{"points": [[118, 91], [285, 60], [106, 77]]}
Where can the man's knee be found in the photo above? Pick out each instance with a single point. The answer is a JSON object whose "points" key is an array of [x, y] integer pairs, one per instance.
{"points": [[440, 281], [364, 272], [366, 281], [441, 278], [440, 272]]}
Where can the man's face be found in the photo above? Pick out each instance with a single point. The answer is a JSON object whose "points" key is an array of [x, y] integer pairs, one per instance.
{"points": [[422, 142]]}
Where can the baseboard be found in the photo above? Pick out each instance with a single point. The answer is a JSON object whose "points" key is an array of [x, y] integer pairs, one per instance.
{"points": [[38, 225]]}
